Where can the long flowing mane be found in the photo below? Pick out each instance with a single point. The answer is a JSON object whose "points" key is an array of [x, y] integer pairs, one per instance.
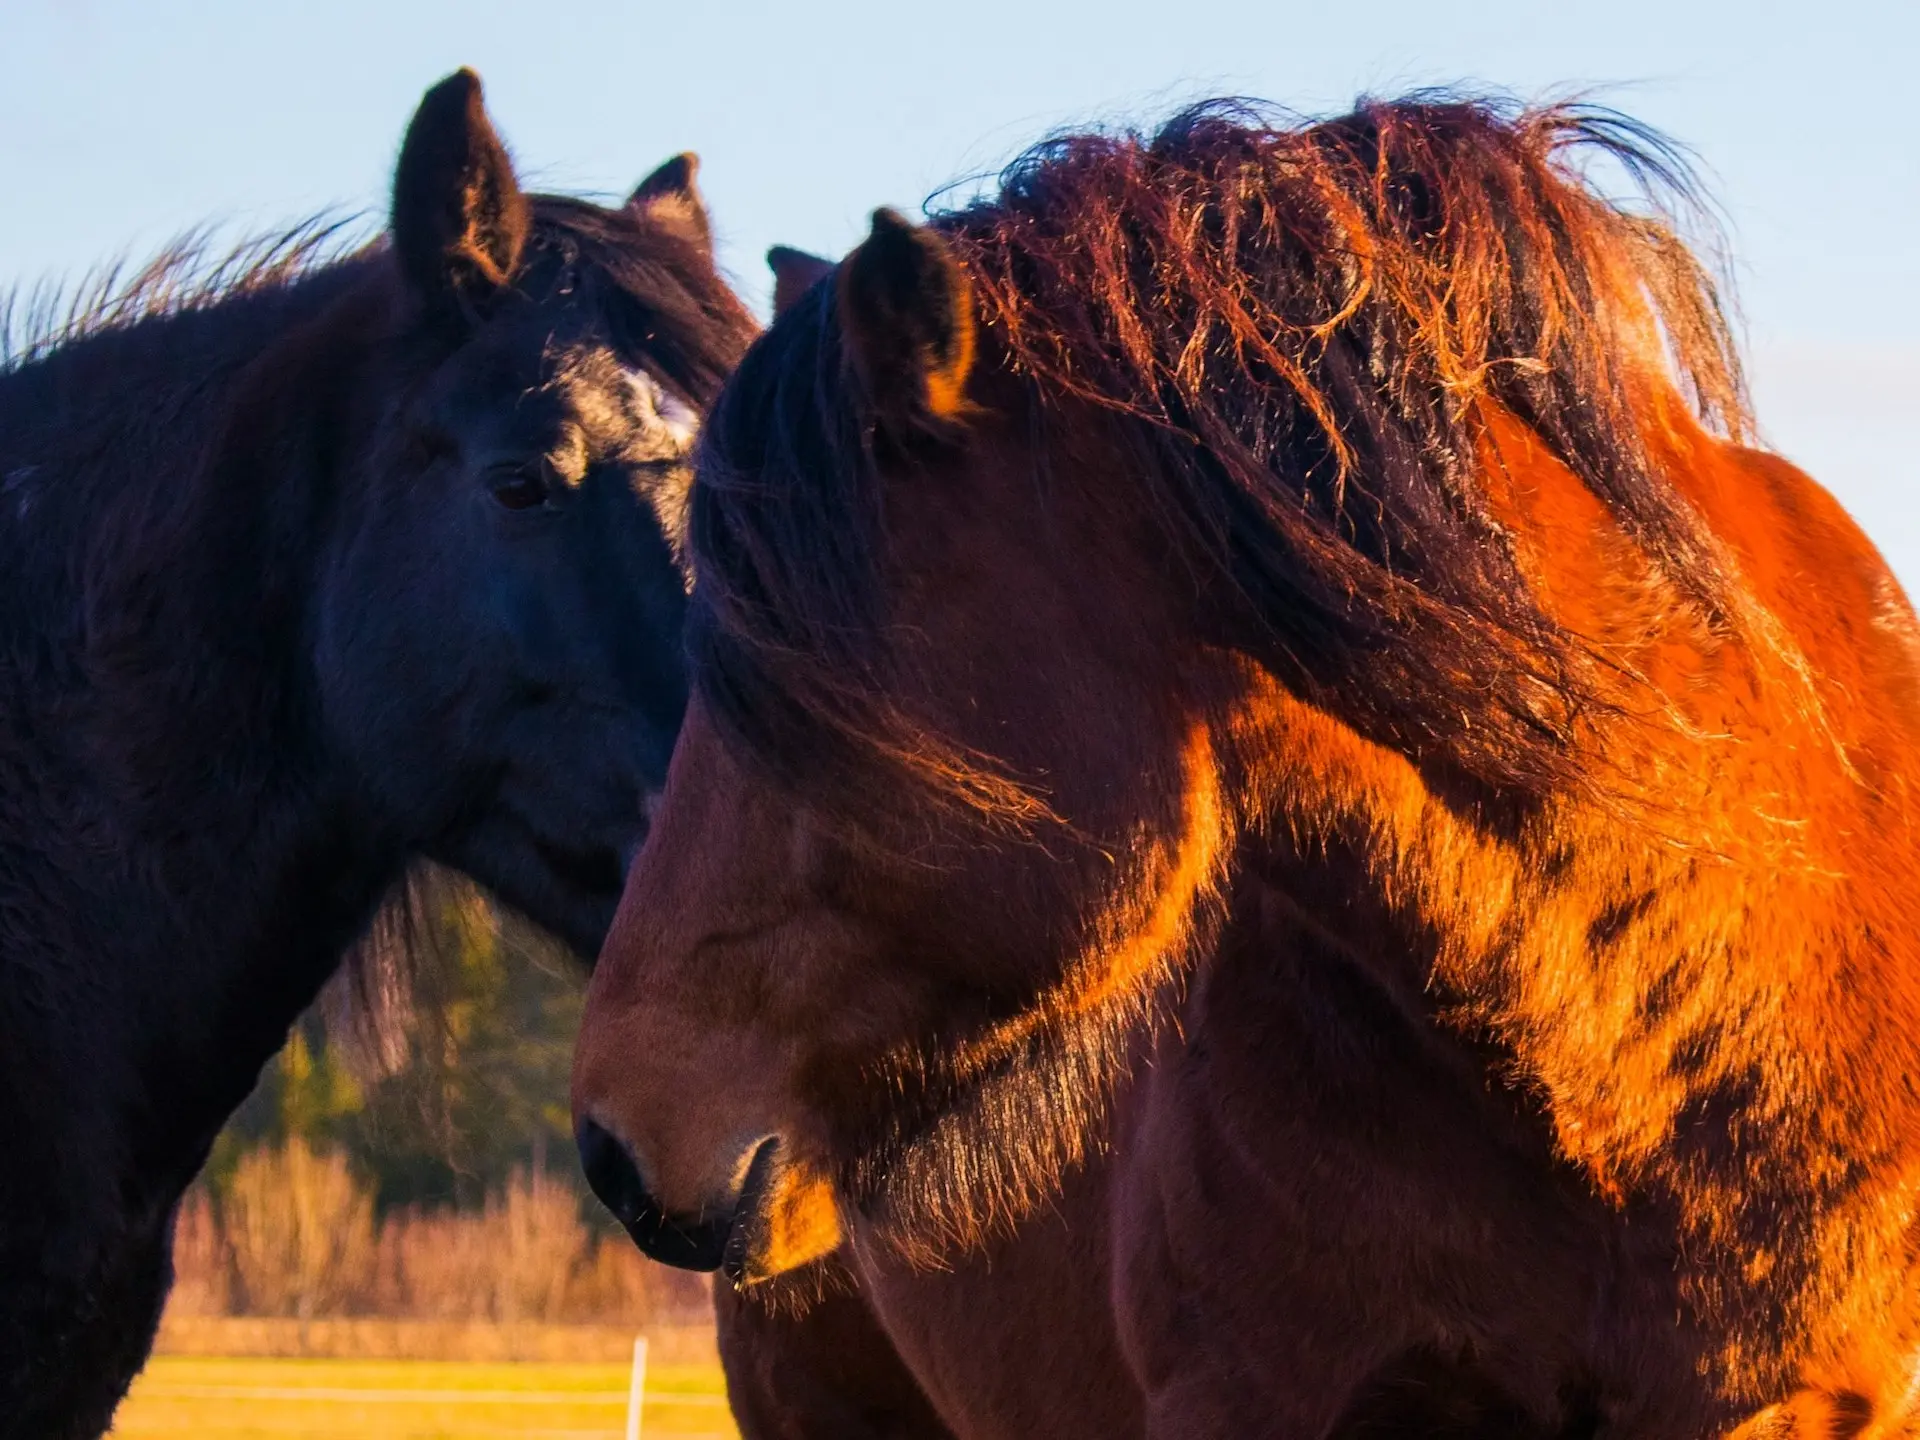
{"points": [[1297, 329]]}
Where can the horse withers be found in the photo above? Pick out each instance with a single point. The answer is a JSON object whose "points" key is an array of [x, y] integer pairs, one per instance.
{"points": [[1293, 603], [321, 568]]}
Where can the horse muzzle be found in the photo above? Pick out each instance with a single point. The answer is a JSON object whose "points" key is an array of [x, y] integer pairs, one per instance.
{"points": [[782, 1215], [689, 1243]]}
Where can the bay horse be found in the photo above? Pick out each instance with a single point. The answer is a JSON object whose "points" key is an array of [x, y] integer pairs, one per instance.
{"points": [[1258, 660], [319, 569]]}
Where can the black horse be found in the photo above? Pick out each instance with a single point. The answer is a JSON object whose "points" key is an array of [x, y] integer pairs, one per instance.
{"points": [[323, 569]]}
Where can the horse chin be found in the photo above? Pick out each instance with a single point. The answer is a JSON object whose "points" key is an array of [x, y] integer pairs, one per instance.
{"points": [[700, 1245], [788, 1217], [565, 886]]}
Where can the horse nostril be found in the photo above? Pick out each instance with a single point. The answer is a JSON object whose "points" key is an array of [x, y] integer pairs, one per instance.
{"points": [[612, 1173], [691, 1243]]}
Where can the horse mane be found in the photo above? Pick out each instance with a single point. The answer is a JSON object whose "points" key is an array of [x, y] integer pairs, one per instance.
{"points": [[391, 985], [1296, 330], [193, 273], [189, 273]]}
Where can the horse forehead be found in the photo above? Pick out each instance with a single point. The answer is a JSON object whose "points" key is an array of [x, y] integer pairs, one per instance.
{"points": [[625, 407], [674, 417], [529, 386]]}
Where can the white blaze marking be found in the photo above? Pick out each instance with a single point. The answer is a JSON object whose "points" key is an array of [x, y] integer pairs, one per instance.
{"points": [[676, 417]]}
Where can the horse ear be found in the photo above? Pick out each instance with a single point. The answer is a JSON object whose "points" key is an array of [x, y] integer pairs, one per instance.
{"points": [[670, 198], [460, 221], [794, 273], [906, 310]]}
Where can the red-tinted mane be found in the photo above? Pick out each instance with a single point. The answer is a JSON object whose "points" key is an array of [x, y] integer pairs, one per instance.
{"points": [[1294, 328]]}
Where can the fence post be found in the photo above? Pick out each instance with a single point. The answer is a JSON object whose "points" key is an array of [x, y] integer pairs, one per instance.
{"points": [[637, 1390]]}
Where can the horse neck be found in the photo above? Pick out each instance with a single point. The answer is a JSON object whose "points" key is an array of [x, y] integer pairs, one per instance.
{"points": [[182, 472], [1692, 967]]}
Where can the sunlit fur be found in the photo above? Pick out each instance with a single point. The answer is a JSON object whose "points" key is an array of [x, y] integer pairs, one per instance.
{"points": [[1038, 1082], [1351, 610]]}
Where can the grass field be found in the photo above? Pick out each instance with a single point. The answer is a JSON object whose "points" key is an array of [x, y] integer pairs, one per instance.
{"points": [[179, 1396]]}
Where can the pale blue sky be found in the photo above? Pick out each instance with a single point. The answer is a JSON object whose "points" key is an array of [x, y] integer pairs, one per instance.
{"points": [[122, 124]]}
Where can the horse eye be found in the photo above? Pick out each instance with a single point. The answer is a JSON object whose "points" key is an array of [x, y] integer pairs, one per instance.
{"points": [[520, 487]]}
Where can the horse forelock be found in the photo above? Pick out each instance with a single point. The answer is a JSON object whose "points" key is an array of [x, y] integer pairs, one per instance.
{"points": [[786, 629], [1299, 329], [664, 305]]}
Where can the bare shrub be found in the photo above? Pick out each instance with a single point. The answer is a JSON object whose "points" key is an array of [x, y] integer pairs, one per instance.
{"points": [[293, 1235], [202, 1271], [514, 1261], [300, 1231], [433, 1266], [613, 1285], [541, 1242]]}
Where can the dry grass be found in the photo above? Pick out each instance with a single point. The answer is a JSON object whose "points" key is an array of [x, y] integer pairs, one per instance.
{"points": [[327, 1399], [298, 1314], [474, 1341]]}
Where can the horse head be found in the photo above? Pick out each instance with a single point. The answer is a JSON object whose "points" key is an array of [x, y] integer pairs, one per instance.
{"points": [[1061, 562], [498, 619], [899, 912]]}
